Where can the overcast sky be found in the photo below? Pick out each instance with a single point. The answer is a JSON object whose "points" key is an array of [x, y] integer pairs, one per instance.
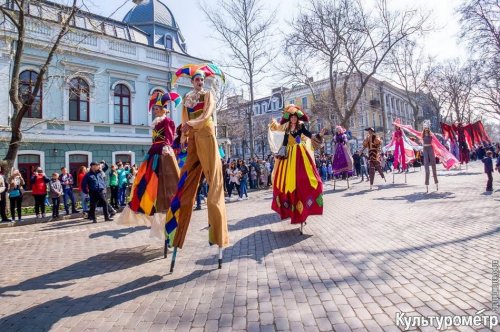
{"points": [[197, 31]]}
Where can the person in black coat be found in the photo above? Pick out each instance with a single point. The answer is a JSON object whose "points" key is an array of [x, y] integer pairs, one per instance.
{"points": [[488, 169], [94, 185], [4, 188]]}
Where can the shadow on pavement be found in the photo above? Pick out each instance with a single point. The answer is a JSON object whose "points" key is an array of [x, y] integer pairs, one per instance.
{"points": [[462, 173], [118, 233], [66, 224], [44, 315], [419, 196], [256, 221], [258, 245], [109, 262]]}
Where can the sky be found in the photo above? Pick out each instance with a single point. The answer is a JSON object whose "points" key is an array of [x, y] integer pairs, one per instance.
{"points": [[442, 44]]}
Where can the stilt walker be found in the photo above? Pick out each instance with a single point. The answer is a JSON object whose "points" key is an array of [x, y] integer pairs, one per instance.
{"points": [[202, 156], [297, 186], [373, 143], [403, 149], [156, 180], [342, 162], [432, 148], [429, 155]]}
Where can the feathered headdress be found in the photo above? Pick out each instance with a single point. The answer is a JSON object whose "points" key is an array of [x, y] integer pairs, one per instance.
{"points": [[191, 70], [293, 110], [162, 99]]}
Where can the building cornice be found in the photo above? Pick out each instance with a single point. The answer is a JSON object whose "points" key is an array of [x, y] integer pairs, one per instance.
{"points": [[122, 74]]}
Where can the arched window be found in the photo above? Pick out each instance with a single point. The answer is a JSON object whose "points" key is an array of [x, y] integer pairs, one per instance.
{"points": [[122, 104], [27, 80], [78, 100]]}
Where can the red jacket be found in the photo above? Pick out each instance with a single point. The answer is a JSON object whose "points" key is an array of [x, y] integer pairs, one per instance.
{"points": [[39, 184]]}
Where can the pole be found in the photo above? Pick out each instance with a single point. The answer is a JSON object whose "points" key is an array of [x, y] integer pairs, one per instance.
{"points": [[220, 258], [172, 264]]}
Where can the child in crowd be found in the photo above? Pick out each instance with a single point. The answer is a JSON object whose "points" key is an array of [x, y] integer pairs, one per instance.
{"points": [[488, 169], [56, 191]]}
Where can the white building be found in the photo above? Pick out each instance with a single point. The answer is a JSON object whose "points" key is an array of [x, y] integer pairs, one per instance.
{"points": [[93, 102]]}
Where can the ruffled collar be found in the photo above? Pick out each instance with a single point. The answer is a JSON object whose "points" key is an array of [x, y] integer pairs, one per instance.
{"points": [[158, 120]]}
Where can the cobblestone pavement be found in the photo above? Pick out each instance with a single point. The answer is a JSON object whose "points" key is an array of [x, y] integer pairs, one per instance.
{"points": [[372, 254]]}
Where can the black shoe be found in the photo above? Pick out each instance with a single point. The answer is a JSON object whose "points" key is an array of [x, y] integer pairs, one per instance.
{"points": [[75, 211], [109, 219], [94, 221], [197, 208], [6, 220], [67, 213]]}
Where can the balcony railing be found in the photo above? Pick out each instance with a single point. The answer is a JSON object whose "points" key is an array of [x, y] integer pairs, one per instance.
{"points": [[375, 103]]}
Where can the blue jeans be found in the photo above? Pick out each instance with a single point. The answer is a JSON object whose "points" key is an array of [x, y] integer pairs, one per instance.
{"points": [[363, 173], [83, 199], [68, 194], [121, 195], [243, 188]]}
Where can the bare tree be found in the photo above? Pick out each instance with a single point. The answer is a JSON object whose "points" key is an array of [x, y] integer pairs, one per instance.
{"points": [[16, 12], [480, 20], [245, 28], [455, 82], [353, 41], [411, 70]]}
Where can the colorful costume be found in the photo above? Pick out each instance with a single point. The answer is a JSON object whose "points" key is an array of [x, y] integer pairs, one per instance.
{"points": [[202, 156], [156, 180], [447, 159], [465, 137], [342, 159], [373, 143], [297, 186], [402, 146]]}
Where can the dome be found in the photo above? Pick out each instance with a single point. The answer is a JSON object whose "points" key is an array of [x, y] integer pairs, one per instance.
{"points": [[152, 11]]}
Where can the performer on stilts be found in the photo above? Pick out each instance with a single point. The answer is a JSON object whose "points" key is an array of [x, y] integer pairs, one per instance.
{"points": [[373, 143], [428, 155], [342, 162], [403, 148], [202, 156], [399, 149], [156, 180], [432, 148], [297, 186]]}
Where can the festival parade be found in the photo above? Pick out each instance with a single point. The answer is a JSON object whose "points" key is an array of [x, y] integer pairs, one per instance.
{"points": [[249, 165]]}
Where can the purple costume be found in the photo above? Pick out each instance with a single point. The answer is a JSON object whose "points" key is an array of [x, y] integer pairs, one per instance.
{"points": [[342, 159]]}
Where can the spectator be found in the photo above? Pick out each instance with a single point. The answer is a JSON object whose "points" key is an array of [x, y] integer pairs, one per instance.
{"points": [[56, 191], [67, 181], [113, 186], [94, 185], [16, 183], [244, 178], [364, 165], [4, 187], [83, 197], [357, 162], [323, 172], [234, 180], [39, 191], [488, 169], [253, 177], [123, 173]]}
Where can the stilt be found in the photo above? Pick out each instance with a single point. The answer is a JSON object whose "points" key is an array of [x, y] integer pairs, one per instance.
{"points": [[301, 228], [334, 182], [347, 176], [392, 177], [427, 187], [165, 250], [437, 187], [220, 258], [172, 264], [466, 166], [405, 177]]}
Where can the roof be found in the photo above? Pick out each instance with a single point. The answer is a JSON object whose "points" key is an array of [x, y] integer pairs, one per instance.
{"points": [[149, 12]]}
